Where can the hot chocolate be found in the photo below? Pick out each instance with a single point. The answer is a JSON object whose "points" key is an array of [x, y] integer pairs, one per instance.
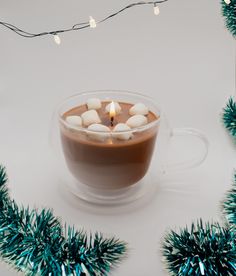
{"points": [[112, 163]]}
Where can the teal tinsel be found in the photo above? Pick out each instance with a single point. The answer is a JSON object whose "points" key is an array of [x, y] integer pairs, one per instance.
{"points": [[36, 243], [229, 13], [205, 249], [229, 116], [229, 204]]}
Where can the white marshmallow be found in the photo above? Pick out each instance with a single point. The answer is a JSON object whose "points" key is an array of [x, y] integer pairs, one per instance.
{"points": [[74, 120], [122, 136], [94, 103], [99, 128], [90, 117], [117, 108], [138, 109], [137, 121]]}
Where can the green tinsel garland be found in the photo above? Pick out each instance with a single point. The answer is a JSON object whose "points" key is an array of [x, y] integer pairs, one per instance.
{"points": [[229, 13], [229, 205], [36, 243], [203, 250], [229, 117]]}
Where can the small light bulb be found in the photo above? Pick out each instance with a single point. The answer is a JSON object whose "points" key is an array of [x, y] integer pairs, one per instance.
{"points": [[227, 2], [57, 39], [156, 10], [92, 22]]}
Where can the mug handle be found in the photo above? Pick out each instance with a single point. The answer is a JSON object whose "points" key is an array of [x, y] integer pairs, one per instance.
{"points": [[195, 161]]}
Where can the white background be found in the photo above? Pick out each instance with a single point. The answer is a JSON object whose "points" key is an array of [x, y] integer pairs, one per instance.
{"points": [[184, 58]]}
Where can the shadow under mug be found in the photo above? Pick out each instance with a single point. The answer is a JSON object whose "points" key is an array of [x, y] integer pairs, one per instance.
{"points": [[114, 171]]}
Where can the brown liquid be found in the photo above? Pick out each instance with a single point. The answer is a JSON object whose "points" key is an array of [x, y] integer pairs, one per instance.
{"points": [[111, 164]]}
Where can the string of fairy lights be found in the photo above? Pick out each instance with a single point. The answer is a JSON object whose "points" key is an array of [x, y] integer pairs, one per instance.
{"points": [[90, 23]]}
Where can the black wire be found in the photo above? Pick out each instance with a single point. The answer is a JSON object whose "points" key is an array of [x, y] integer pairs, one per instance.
{"points": [[131, 6], [78, 26]]}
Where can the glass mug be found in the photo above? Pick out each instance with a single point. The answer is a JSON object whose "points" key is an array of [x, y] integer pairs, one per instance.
{"points": [[113, 170]]}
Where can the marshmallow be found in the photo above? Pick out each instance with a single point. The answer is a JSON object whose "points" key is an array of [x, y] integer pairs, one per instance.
{"points": [[74, 120], [98, 128], [122, 128], [137, 121], [90, 117], [117, 108], [94, 103], [138, 109]]}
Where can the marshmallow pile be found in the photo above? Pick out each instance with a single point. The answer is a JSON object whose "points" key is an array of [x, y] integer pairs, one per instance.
{"points": [[92, 121]]}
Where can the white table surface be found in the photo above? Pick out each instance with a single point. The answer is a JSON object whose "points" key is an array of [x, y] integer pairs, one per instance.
{"points": [[184, 59]]}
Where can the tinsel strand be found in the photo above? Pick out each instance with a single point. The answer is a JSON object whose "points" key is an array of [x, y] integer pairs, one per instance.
{"points": [[36, 243], [229, 13], [229, 116], [229, 204], [204, 249]]}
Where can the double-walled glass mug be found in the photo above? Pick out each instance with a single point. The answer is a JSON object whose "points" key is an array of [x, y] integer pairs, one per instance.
{"points": [[114, 165]]}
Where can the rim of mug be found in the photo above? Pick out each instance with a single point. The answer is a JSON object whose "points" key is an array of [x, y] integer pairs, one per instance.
{"points": [[81, 128]]}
